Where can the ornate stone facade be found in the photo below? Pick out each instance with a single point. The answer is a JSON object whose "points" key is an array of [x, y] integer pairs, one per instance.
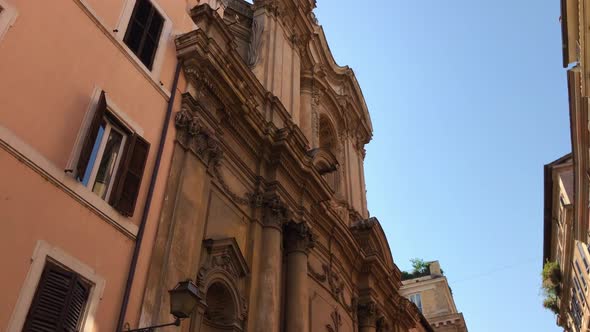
{"points": [[265, 205]]}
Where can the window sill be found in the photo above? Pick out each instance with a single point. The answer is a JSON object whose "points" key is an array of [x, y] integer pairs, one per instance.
{"points": [[114, 37], [34, 160]]}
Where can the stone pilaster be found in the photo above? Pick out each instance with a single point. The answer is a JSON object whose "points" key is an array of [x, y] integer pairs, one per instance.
{"points": [[269, 276], [367, 317], [298, 241]]}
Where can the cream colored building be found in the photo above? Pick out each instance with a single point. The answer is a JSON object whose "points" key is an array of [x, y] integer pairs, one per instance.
{"points": [[563, 245], [434, 298]]}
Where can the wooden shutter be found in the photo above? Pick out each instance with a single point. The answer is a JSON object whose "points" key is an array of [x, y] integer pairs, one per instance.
{"points": [[130, 175], [59, 302], [90, 137], [76, 306]]}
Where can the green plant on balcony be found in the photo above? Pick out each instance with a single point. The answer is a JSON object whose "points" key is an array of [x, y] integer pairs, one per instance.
{"points": [[551, 285], [420, 268], [551, 304]]}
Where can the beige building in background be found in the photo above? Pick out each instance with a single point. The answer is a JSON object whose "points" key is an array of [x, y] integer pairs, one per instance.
{"points": [[567, 184], [433, 296], [146, 142], [564, 246]]}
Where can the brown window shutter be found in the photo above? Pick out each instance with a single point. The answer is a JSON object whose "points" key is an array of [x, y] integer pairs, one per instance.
{"points": [[76, 306], [130, 175], [90, 137], [59, 302]]}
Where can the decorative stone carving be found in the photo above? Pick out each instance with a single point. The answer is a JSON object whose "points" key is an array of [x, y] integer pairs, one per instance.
{"points": [[334, 281], [321, 277], [300, 41], [255, 42], [275, 213], [367, 314], [316, 96], [336, 322], [223, 255], [193, 135], [298, 237], [362, 230], [225, 264]]}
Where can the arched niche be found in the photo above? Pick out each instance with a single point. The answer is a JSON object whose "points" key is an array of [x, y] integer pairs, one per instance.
{"points": [[221, 279], [327, 155]]}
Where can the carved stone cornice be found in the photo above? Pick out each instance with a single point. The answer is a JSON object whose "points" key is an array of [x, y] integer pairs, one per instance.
{"points": [[298, 237]]}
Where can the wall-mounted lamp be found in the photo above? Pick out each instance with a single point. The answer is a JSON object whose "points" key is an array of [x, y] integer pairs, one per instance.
{"points": [[183, 299]]}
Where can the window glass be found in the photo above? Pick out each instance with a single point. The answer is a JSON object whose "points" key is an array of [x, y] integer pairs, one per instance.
{"points": [[94, 154], [106, 169], [143, 32], [417, 300]]}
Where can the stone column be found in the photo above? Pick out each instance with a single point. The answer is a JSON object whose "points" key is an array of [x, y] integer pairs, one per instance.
{"points": [[298, 241], [269, 276], [367, 317]]}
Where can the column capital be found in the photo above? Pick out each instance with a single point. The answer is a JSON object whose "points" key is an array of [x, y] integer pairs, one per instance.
{"points": [[368, 314], [298, 237], [275, 212]]}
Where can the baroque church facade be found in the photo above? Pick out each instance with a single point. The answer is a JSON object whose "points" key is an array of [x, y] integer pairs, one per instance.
{"points": [[210, 140], [265, 206]]}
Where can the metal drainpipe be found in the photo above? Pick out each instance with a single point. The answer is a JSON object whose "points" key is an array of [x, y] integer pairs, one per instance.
{"points": [[148, 202]]}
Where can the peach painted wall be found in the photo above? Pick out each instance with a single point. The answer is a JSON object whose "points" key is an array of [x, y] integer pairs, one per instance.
{"points": [[33, 209], [53, 58]]}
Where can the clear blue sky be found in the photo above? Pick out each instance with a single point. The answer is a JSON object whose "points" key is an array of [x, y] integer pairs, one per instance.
{"points": [[468, 101]]}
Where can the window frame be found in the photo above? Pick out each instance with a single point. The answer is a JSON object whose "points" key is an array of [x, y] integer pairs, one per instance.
{"points": [[134, 136], [44, 291], [41, 254], [110, 126], [419, 297], [165, 34]]}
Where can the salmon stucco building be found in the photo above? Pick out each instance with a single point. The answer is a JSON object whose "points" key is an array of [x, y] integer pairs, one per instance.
{"points": [[148, 142]]}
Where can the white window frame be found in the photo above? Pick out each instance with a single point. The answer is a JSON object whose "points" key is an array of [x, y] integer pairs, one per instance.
{"points": [[419, 296], [100, 155], [8, 16], [121, 29], [114, 110], [43, 252]]}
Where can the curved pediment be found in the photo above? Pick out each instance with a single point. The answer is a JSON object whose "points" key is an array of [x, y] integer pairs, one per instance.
{"points": [[372, 239], [339, 83]]}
